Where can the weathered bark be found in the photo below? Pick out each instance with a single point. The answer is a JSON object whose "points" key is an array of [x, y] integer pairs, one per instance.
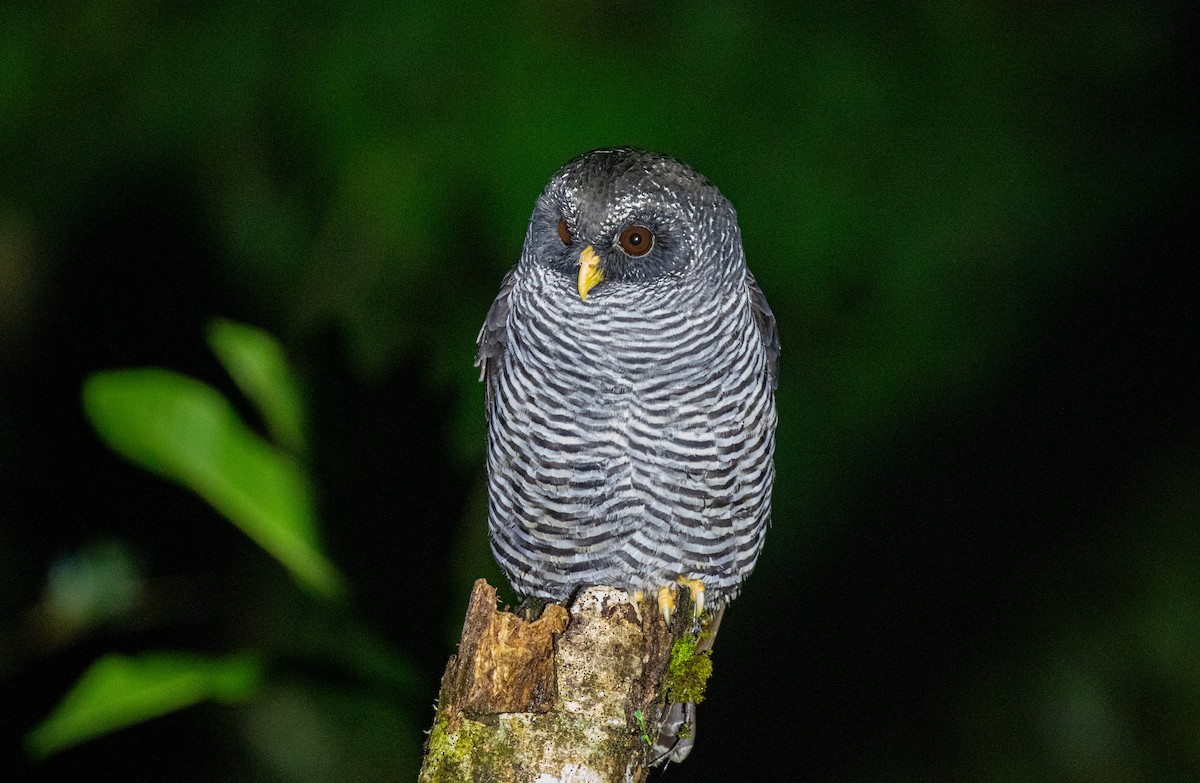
{"points": [[571, 697]]}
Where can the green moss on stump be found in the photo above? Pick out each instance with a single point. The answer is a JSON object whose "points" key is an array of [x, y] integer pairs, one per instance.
{"points": [[688, 672], [449, 753], [463, 753]]}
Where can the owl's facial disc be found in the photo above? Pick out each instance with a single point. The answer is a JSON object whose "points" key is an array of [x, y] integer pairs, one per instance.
{"points": [[590, 273], [637, 217]]}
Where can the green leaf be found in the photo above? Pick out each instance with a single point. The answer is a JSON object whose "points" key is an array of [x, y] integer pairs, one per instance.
{"points": [[258, 365], [188, 432], [120, 691]]}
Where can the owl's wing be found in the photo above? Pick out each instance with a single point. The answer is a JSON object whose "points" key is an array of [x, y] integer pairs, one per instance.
{"points": [[768, 330], [491, 339]]}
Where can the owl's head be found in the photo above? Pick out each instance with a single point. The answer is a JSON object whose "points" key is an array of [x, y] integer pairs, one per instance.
{"points": [[630, 216]]}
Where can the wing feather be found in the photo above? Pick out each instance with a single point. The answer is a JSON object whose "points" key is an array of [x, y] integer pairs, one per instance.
{"points": [[768, 330], [492, 340]]}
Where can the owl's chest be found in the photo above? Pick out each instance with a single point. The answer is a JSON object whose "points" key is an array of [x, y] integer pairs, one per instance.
{"points": [[613, 362], [616, 339]]}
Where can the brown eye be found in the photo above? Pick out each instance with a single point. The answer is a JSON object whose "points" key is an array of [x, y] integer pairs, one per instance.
{"points": [[563, 233], [637, 240]]}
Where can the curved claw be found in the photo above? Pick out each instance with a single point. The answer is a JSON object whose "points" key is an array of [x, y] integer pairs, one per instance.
{"points": [[666, 601]]}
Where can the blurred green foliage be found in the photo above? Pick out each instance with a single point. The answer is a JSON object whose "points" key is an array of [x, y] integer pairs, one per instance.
{"points": [[921, 187], [258, 366], [118, 691], [186, 431]]}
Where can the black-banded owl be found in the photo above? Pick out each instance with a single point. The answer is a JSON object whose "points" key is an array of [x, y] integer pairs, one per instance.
{"points": [[631, 363]]}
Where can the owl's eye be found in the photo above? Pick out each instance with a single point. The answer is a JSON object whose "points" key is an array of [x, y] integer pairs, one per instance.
{"points": [[637, 240], [564, 233]]}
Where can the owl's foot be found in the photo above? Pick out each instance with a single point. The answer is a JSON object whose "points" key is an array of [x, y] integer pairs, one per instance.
{"points": [[668, 597]]}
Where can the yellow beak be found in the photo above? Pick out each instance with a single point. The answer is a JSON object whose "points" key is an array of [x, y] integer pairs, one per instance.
{"points": [[589, 271]]}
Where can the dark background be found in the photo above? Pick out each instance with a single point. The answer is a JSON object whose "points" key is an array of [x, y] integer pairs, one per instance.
{"points": [[974, 222]]}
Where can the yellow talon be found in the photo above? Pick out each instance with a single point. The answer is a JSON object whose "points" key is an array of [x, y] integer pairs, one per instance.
{"points": [[638, 597], [666, 601], [696, 588]]}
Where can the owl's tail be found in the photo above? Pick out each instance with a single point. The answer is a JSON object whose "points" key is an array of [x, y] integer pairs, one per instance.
{"points": [[677, 731]]}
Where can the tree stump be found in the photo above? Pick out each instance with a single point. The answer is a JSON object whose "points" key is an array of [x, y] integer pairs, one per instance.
{"points": [[572, 697]]}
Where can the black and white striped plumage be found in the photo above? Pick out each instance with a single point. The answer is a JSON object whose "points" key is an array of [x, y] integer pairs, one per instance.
{"points": [[631, 421]]}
